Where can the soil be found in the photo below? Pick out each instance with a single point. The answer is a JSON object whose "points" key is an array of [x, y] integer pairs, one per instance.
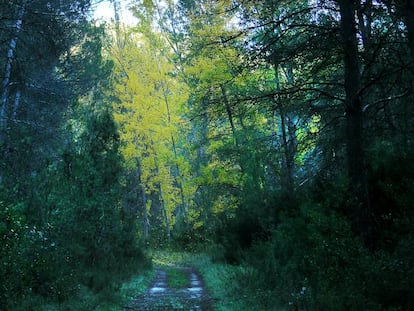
{"points": [[160, 296]]}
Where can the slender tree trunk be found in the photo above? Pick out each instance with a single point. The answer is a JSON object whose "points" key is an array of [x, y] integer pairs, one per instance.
{"points": [[364, 13], [179, 181], [352, 88], [288, 130], [202, 153], [145, 219], [130, 208], [229, 114], [358, 202], [165, 215], [164, 211], [408, 13], [291, 143], [145, 214], [233, 128], [117, 24], [178, 178], [7, 73], [200, 137], [16, 105], [5, 86]]}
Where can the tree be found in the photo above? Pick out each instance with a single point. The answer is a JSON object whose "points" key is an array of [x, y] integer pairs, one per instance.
{"points": [[60, 166], [150, 114], [354, 119], [32, 81], [90, 227], [319, 113]]}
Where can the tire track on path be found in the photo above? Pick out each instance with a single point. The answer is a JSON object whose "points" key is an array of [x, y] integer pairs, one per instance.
{"points": [[160, 296]]}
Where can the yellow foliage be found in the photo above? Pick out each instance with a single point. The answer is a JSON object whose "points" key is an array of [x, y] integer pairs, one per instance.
{"points": [[150, 116]]}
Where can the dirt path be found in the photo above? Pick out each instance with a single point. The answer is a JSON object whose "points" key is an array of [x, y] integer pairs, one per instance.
{"points": [[160, 296]]}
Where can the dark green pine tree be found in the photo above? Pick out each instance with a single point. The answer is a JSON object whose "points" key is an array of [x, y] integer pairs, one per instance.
{"points": [[91, 226]]}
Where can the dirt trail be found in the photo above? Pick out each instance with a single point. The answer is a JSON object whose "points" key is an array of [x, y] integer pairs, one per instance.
{"points": [[160, 296]]}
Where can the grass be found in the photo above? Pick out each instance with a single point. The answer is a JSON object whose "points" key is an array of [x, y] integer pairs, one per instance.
{"points": [[219, 279], [87, 300], [222, 282], [177, 278], [231, 287], [135, 285]]}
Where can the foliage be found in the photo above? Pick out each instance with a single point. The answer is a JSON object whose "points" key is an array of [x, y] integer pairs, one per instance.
{"points": [[60, 173], [150, 113], [228, 125], [177, 278]]}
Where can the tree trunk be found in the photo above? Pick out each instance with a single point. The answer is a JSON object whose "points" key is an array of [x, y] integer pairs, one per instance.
{"points": [[165, 215], [288, 130], [145, 220], [182, 210], [352, 80], [409, 22], [130, 203], [358, 201], [16, 104], [179, 181], [145, 214], [164, 211], [117, 24], [291, 143], [229, 114], [203, 140], [364, 13], [8, 68]]}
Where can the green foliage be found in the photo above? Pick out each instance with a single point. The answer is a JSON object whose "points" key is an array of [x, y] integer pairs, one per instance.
{"points": [[64, 240], [81, 250], [219, 124], [14, 240], [177, 278], [313, 261], [32, 256], [136, 285], [93, 219]]}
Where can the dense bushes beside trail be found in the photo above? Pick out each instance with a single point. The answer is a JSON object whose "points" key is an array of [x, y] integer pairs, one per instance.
{"points": [[41, 269], [79, 251], [315, 261]]}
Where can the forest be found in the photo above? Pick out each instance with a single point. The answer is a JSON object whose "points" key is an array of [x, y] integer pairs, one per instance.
{"points": [[275, 137]]}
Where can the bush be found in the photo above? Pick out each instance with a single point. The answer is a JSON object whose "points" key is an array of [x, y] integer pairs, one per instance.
{"points": [[311, 262]]}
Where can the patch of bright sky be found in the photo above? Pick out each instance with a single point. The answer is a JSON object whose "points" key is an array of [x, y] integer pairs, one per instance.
{"points": [[104, 12]]}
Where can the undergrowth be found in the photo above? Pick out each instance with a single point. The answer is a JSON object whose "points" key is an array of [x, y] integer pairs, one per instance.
{"points": [[228, 285], [177, 278], [112, 299]]}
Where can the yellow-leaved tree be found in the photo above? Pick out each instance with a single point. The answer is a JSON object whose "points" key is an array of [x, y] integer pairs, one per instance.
{"points": [[149, 107]]}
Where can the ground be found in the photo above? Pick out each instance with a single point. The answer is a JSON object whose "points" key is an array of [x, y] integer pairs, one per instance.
{"points": [[173, 288]]}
